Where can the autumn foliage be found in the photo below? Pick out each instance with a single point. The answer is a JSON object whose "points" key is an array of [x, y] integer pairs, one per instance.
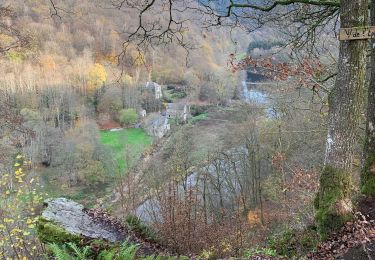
{"points": [[20, 201]]}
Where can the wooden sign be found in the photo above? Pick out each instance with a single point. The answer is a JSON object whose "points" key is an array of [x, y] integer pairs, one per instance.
{"points": [[357, 33]]}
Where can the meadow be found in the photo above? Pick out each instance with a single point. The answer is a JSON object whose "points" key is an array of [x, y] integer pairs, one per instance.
{"points": [[127, 145]]}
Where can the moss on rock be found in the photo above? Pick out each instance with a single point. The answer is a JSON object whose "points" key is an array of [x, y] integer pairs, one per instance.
{"points": [[49, 232], [333, 205], [368, 176]]}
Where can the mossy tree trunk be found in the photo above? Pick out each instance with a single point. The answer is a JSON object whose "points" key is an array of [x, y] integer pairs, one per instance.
{"points": [[368, 170], [333, 203]]}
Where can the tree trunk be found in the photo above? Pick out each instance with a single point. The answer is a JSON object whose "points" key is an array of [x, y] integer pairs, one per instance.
{"points": [[333, 202], [368, 170]]}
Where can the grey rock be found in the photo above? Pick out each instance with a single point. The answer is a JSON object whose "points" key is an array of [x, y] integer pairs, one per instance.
{"points": [[71, 216]]}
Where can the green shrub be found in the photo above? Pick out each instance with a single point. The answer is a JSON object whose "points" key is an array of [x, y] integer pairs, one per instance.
{"points": [[196, 110], [198, 118], [178, 95], [128, 116], [136, 225], [294, 243]]}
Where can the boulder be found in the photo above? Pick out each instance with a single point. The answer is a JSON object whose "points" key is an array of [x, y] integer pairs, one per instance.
{"points": [[71, 217]]}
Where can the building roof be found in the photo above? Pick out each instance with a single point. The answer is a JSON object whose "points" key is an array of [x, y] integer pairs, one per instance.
{"points": [[176, 106]]}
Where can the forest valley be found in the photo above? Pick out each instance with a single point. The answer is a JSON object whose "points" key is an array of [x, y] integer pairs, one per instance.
{"points": [[186, 129]]}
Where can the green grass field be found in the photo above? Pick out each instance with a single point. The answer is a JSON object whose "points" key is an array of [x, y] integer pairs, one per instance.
{"points": [[127, 145]]}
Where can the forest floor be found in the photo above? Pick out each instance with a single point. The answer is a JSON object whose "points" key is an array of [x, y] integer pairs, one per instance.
{"points": [[356, 240]]}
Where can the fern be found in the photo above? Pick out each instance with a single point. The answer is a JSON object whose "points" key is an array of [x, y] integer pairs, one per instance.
{"points": [[107, 255], [59, 252], [128, 251], [80, 253]]}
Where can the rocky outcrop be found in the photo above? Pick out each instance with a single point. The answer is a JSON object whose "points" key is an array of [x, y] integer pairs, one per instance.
{"points": [[74, 219]]}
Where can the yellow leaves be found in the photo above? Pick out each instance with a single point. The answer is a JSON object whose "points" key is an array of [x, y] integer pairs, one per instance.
{"points": [[31, 223], [16, 230], [8, 220], [19, 173], [18, 219], [31, 226], [96, 76]]}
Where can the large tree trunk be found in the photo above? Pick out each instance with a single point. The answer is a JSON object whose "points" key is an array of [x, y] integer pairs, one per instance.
{"points": [[368, 170], [333, 202]]}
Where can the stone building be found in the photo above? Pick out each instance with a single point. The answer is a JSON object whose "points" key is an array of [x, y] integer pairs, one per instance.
{"points": [[178, 111]]}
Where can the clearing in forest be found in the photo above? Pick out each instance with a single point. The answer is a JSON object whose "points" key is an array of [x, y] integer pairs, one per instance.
{"points": [[127, 145]]}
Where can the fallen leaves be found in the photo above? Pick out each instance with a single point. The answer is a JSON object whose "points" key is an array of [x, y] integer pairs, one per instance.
{"points": [[359, 232]]}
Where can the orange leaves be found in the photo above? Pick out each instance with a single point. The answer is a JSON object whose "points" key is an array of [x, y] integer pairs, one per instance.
{"points": [[306, 73], [254, 217]]}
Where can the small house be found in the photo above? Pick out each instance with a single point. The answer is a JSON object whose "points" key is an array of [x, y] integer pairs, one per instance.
{"points": [[178, 111]]}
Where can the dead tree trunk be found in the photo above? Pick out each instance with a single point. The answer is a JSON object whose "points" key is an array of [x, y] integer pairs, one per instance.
{"points": [[333, 202], [368, 170]]}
